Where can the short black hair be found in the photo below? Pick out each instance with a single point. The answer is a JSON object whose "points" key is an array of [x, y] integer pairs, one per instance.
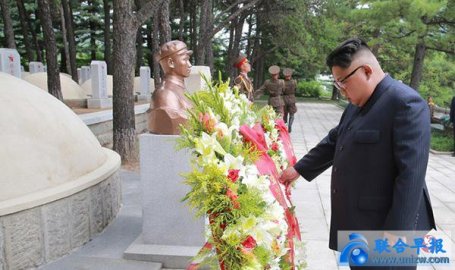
{"points": [[342, 55]]}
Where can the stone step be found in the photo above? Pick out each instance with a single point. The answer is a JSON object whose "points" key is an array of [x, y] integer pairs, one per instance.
{"points": [[97, 263]]}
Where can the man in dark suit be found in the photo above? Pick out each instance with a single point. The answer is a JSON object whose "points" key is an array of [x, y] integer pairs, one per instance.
{"points": [[378, 152], [452, 120]]}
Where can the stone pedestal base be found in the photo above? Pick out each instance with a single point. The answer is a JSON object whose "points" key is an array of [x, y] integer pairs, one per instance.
{"points": [[173, 257], [170, 233], [98, 103]]}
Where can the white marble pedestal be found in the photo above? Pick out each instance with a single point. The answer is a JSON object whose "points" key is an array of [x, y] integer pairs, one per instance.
{"points": [[171, 235]]}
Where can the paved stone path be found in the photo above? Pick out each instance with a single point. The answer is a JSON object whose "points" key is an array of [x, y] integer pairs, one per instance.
{"points": [[312, 199]]}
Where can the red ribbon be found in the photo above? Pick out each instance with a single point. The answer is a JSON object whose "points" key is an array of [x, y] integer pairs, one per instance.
{"points": [[286, 140], [266, 166]]}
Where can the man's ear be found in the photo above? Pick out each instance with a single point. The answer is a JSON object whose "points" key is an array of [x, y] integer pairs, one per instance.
{"points": [[368, 70], [170, 62]]}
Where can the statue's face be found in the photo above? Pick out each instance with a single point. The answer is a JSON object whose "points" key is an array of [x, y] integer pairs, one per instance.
{"points": [[182, 65]]}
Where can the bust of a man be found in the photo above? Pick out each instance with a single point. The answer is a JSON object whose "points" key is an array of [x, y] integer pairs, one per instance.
{"points": [[169, 104]]}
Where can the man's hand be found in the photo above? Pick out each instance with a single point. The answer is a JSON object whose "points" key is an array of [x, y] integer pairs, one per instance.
{"points": [[288, 176]]}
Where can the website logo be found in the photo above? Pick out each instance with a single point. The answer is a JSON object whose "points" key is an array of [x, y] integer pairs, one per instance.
{"points": [[355, 252], [394, 248]]}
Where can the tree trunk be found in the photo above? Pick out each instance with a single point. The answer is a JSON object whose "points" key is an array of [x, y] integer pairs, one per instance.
{"points": [[248, 37], [417, 67], [238, 27], [208, 49], [335, 93], [257, 62], [139, 50], [8, 25], [230, 53], [182, 19], [193, 28], [107, 35], [38, 47], [201, 46], [25, 30], [375, 47], [124, 55], [92, 25], [259, 70], [66, 53], [165, 27], [126, 22], [63, 64], [68, 16], [156, 47], [150, 44], [53, 77]]}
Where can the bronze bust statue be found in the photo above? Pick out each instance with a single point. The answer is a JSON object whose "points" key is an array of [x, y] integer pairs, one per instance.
{"points": [[169, 104]]}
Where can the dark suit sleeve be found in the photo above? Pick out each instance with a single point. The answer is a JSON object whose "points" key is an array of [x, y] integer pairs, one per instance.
{"points": [[411, 143], [319, 158]]}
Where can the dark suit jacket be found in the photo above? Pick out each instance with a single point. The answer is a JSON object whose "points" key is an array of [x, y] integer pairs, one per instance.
{"points": [[379, 155], [452, 111]]}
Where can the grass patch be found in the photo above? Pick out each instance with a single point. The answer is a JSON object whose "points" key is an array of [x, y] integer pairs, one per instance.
{"points": [[441, 141]]}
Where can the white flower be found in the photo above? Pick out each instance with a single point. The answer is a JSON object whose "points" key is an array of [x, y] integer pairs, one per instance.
{"points": [[268, 140], [299, 255], [234, 163], [222, 129], [275, 211], [267, 196]]}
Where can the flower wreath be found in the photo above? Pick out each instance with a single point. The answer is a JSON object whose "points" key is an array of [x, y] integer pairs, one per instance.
{"points": [[239, 153]]}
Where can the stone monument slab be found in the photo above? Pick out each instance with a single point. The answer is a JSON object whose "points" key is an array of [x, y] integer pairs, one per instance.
{"points": [[35, 67], [85, 73], [10, 62], [99, 86], [144, 84], [195, 82], [79, 73]]}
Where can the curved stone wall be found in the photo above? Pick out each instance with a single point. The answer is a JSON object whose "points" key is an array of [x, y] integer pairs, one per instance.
{"points": [[58, 186], [45, 232]]}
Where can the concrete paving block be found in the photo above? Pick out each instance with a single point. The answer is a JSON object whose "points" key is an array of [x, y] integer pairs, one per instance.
{"points": [[23, 239], [443, 215], [314, 228], [320, 257], [56, 229]]}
